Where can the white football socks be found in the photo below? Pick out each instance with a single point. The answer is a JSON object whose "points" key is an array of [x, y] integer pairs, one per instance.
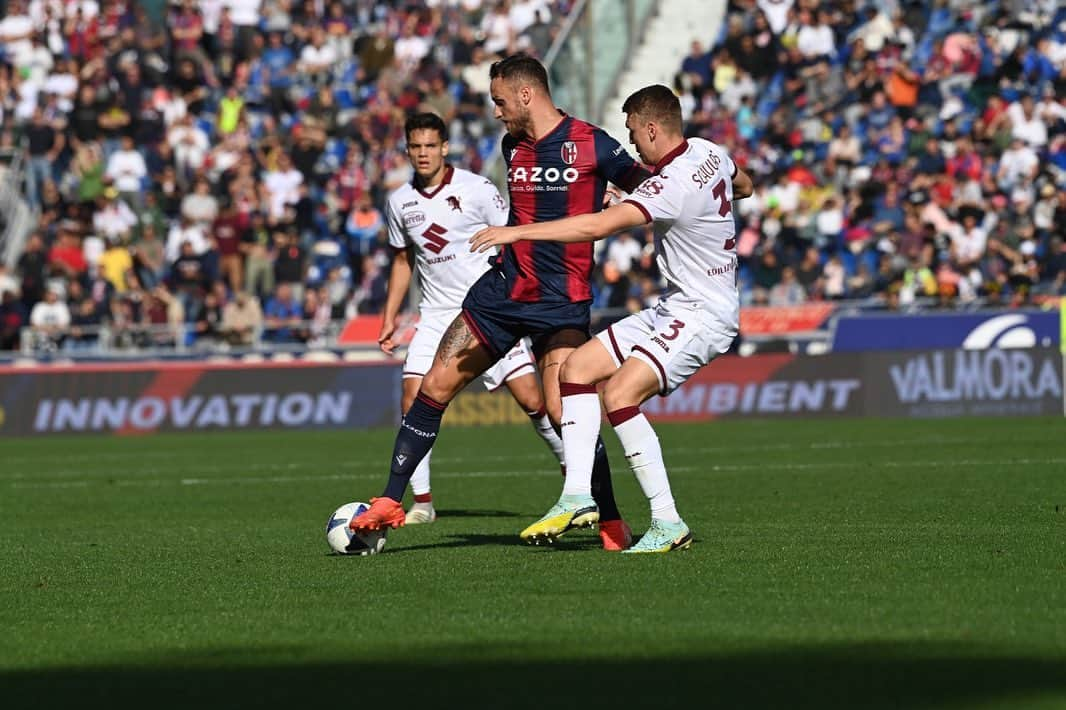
{"points": [[543, 424], [645, 457], [420, 478], [580, 427]]}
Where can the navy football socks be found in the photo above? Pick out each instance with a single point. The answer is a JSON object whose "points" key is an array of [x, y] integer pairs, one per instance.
{"points": [[418, 431]]}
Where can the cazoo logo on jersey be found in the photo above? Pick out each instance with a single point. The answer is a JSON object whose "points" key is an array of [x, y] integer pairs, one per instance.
{"points": [[540, 175]]}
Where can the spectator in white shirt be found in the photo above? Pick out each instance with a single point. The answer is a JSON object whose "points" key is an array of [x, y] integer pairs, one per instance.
{"points": [[35, 63], [410, 49], [16, 29], [498, 30], [968, 242], [211, 12], [815, 40], [113, 217], [523, 14], [184, 230], [317, 58], [190, 145], [1017, 164], [1026, 123], [833, 274], [245, 15], [200, 207], [624, 250], [63, 83], [127, 170], [50, 319], [283, 186], [776, 12]]}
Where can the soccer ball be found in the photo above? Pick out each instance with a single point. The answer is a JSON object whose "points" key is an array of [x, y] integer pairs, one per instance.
{"points": [[343, 541]]}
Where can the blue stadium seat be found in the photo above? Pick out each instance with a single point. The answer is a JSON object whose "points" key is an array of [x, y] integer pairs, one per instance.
{"points": [[870, 258], [206, 123], [343, 95], [847, 258]]}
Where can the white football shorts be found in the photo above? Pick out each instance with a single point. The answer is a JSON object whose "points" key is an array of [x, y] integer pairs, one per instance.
{"points": [[518, 362], [674, 341]]}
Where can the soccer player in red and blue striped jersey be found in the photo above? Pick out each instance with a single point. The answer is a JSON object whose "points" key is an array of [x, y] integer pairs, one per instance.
{"points": [[562, 174], [557, 166]]}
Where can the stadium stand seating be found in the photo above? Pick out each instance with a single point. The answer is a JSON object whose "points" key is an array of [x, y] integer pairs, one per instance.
{"points": [[905, 153]]}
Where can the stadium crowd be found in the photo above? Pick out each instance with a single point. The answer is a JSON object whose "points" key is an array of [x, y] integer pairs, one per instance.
{"points": [[902, 151], [222, 172]]}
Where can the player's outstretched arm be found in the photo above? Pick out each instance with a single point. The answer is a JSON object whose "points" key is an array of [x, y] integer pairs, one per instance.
{"points": [[582, 228], [742, 185], [399, 280]]}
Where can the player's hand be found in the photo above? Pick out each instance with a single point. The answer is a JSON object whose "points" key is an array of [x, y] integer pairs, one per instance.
{"points": [[493, 236], [612, 196], [385, 337]]}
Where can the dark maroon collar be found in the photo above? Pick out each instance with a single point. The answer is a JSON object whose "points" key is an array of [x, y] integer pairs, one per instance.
{"points": [[448, 171], [665, 160]]}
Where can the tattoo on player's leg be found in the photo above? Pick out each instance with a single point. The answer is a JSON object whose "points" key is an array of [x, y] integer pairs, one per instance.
{"points": [[455, 340]]}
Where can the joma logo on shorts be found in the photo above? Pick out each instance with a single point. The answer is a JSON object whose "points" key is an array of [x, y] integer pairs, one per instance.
{"points": [[661, 343]]}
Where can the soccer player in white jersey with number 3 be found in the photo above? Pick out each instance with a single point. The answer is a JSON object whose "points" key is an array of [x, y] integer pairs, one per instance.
{"points": [[430, 221], [689, 199]]}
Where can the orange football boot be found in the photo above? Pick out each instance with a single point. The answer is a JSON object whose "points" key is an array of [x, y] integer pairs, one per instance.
{"points": [[382, 513]]}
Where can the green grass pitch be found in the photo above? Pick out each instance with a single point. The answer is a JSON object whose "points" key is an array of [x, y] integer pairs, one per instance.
{"points": [[894, 563]]}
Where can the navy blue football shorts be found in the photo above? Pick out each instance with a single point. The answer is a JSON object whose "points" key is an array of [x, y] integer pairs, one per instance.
{"points": [[499, 322]]}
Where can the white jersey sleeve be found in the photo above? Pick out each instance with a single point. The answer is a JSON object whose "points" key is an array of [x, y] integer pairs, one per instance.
{"points": [[398, 236], [493, 207], [658, 199]]}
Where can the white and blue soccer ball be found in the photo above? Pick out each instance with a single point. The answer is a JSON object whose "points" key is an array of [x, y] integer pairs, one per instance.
{"points": [[343, 541]]}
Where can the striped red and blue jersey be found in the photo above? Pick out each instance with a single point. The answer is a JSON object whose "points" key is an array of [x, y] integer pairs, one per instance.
{"points": [[563, 174]]}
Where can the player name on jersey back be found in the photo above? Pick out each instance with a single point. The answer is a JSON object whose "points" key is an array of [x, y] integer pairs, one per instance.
{"points": [[690, 199]]}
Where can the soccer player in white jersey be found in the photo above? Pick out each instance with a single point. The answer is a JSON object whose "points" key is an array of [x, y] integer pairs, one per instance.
{"points": [[430, 221], [689, 199]]}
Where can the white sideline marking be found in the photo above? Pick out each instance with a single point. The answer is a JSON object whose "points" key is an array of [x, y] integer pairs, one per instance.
{"points": [[522, 474]]}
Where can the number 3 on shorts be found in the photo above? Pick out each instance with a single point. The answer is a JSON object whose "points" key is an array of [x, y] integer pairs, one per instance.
{"points": [[674, 328]]}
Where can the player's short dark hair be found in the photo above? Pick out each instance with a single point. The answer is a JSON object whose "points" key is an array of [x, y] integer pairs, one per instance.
{"points": [[523, 67], [426, 120], [655, 103]]}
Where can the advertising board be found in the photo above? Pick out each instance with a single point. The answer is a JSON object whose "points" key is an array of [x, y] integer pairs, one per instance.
{"points": [[144, 398]]}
